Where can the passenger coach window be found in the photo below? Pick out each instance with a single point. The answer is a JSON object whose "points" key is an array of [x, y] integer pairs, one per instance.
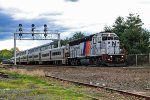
{"points": [[36, 56], [30, 56], [56, 53], [45, 55]]}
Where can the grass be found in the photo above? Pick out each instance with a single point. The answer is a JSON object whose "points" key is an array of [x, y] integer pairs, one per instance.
{"points": [[28, 86], [32, 85]]}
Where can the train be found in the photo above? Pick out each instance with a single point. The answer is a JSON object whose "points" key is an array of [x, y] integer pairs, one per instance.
{"points": [[101, 48]]}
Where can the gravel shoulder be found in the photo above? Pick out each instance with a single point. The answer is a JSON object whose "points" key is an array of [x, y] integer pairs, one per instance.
{"points": [[133, 79]]}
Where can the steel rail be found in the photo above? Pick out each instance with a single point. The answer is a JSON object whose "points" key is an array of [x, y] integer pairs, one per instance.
{"points": [[103, 87], [2, 74], [93, 98]]}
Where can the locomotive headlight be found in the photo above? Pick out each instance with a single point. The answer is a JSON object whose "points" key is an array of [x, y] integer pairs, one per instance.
{"points": [[110, 56], [121, 56]]}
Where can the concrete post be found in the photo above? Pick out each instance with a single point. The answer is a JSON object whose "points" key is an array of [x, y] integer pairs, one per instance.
{"points": [[136, 59], [149, 58]]}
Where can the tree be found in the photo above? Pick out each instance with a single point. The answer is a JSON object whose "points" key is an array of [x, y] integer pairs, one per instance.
{"points": [[133, 37], [119, 26], [55, 43], [5, 54], [78, 35], [62, 42], [108, 29], [75, 36], [144, 42], [65, 41], [12, 50]]}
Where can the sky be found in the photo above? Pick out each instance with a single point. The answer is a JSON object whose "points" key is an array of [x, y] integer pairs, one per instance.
{"points": [[64, 16]]}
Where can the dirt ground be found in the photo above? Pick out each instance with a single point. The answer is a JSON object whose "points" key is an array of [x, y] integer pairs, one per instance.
{"points": [[132, 79]]}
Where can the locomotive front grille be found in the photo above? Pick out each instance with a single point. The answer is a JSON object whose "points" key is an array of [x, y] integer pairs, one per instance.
{"points": [[117, 59]]}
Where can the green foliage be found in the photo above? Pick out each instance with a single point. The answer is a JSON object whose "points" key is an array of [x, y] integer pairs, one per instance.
{"points": [[5, 54], [17, 50], [28, 86], [65, 41], [75, 36], [133, 37], [55, 43], [119, 26], [107, 29]]}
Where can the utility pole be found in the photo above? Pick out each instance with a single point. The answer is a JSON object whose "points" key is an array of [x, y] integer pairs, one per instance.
{"points": [[14, 48], [59, 40]]}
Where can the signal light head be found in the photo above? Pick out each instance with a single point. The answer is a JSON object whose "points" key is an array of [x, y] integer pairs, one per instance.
{"points": [[20, 28], [33, 28], [33, 25], [20, 25], [45, 28], [45, 25]]}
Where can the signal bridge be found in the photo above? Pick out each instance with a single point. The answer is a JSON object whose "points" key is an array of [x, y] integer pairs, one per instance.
{"points": [[37, 36], [34, 35]]}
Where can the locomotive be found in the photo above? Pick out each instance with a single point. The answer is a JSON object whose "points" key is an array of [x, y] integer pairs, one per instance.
{"points": [[97, 49], [102, 48]]}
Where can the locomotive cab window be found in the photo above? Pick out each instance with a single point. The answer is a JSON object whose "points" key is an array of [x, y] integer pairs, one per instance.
{"points": [[104, 38], [116, 38], [110, 38]]}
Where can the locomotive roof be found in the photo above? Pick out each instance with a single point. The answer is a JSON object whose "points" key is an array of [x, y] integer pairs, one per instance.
{"points": [[78, 41]]}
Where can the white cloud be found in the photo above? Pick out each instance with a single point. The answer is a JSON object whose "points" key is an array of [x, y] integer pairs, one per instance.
{"points": [[32, 8], [84, 15], [21, 44], [83, 12], [6, 44]]}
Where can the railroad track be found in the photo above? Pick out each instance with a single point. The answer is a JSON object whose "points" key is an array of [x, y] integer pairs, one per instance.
{"points": [[102, 87], [2, 74], [146, 97]]}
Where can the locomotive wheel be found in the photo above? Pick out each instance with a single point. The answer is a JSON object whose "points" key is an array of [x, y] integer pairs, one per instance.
{"points": [[72, 62], [76, 62], [67, 62], [98, 62], [92, 61]]}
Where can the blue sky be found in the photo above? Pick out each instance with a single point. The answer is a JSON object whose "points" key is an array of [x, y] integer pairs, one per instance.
{"points": [[65, 16]]}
